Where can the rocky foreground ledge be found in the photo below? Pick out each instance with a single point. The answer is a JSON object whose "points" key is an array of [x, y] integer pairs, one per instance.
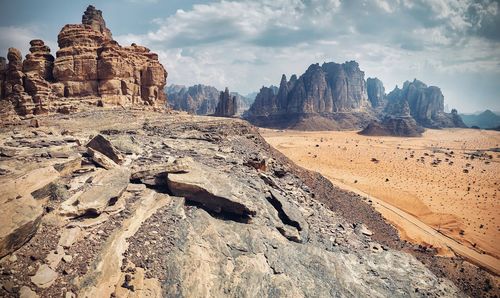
{"points": [[117, 203]]}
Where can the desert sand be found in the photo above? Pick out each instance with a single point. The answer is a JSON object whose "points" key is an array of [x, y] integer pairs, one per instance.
{"points": [[448, 179]]}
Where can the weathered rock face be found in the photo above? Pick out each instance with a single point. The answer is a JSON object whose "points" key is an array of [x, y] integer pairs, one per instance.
{"points": [[197, 99], [227, 105], [394, 126], [200, 99], [14, 82], [89, 64], [94, 19], [265, 102], [376, 92], [38, 67], [327, 89], [426, 105]]}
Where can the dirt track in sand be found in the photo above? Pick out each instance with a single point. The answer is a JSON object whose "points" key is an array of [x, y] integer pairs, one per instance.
{"points": [[462, 205]]}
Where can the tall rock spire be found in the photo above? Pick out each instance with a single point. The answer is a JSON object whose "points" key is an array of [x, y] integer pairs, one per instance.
{"points": [[93, 17]]}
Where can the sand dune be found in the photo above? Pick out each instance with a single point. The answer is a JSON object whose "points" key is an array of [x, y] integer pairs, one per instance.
{"points": [[449, 179]]}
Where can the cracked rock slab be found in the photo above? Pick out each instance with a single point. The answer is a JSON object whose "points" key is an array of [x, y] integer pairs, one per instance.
{"points": [[212, 189], [106, 188]]}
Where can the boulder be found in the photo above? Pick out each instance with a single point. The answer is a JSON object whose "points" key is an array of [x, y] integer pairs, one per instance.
{"points": [[212, 189], [44, 277], [26, 292], [157, 174], [104, 191], [101, 144], [101, 159]]}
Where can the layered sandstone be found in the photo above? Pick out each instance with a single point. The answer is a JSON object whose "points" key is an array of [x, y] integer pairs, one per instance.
{"points": [[90, 65]]}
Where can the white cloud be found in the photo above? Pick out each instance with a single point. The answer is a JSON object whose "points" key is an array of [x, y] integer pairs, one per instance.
{"points": [[19, 38]]}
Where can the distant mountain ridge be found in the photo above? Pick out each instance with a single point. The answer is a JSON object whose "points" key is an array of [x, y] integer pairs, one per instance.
{"points": [[336, 96], [200, 99], [486, 119]]}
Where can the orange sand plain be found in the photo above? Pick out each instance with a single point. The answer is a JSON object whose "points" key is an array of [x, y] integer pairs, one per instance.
{"points": [[460, 205]]}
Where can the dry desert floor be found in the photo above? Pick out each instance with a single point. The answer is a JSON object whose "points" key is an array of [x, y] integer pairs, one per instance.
{"points": [[449, 180]]}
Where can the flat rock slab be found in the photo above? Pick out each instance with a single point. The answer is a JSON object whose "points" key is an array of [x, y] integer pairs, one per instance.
{"points": [[44, 277], [215, 190], [106, 188], [19, 221]]}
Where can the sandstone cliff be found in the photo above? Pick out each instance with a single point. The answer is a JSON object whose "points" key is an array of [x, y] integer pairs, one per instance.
{"points": [[227, 105], [425, 104], [89, 64], [328, 92], [376, 92]]}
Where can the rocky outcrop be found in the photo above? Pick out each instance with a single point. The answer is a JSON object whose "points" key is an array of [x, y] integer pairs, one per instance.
{"points": [[197, 99], [326, 90], [38, 67], [89, 65], [227, 105], [201, 100], [426, 105], [206, 209], [93, 18], [265, 102], [13, 89], [394, 126], [376, 92]]}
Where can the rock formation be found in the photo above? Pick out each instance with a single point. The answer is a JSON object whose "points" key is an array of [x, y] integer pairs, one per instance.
{"points": [[38, 67], [197, 99], [327, 91], [426, 105], [398, 123], [200, 99], [376, 92], [227, 105], [393, 126], [242, 219], [89, 64], [265, 99]]}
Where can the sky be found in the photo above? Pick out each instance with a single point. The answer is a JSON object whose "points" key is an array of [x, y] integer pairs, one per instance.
{"points": [[247, 44]]}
